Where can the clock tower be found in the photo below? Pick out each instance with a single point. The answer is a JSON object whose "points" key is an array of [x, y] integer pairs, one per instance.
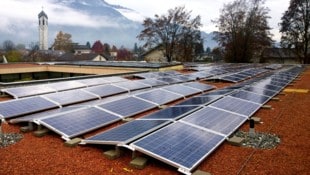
{"points": [[43, 31]]}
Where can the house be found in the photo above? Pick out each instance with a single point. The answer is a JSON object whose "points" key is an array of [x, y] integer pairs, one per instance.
{"points": [[155, 54], [83, 57], [279, 56], [81, 49]]}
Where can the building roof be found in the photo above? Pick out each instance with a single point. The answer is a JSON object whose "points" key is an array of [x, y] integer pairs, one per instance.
{"points": [[42, 13], [79, 57], [81, 47]]}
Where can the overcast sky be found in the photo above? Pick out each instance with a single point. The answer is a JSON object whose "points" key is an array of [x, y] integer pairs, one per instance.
{"points": [[16, 12], [207, 9]]}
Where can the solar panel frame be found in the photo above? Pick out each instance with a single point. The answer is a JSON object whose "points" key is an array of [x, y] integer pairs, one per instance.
{"points": [[237, 105], [217, 120], [246, 95], [127, 107], [126, 133], [179, 145], [159, 96], [23, 106], [78, 122]]}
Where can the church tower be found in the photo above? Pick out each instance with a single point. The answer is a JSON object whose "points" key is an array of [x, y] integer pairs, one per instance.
{"points": [[43, 31]]}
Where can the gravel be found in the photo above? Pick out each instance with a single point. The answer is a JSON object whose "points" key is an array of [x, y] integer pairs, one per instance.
{"points": [[259, 140], [7, 139]]}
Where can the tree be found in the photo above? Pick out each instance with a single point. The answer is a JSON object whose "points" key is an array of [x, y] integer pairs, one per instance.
{"points": [[13, 56], [123, 54], [243, 30], [295, 28], [63, 42], [170, 31], [106, 49], [8, 45], [98, 47], [20, 46], [88, 44]]}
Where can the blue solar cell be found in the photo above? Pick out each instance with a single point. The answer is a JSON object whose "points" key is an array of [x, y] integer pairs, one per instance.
{"points": [[246, 95], [179, 145], [232, 78], [26, 91], [152, 82], [216, 120], [128, 106], [131, 85], [18, 107], [77, 122], [200, 86], [182, 90], [159, 96], [127, 132], [169, 80], [67, 85], [106, 90], [261, 91], [236, 105], [70, 97], [200, 100], [173, 112]]}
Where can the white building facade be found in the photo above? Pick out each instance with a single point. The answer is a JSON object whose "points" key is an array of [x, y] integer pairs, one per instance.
{"points": [[43, 31]]}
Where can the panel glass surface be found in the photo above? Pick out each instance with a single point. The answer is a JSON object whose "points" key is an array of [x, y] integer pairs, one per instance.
{"points": [[106, 90], [70, 97], [200, 86], [269, 87], [216, 120], [236, 105], [182, 90], [169, 80], [152, 82], [179, 144], [18, 107], [66, 85], [78, 122], [246, 95], [25, 91], [115, 79], [93, 81], [128, 106], [173, 113], [261, 91], [132, 85], [200, 100], [127, 132], [232, 78], [159, 96]]}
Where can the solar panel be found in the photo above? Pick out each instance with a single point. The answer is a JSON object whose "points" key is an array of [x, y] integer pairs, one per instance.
{"points": [[246, 95], [261, 91], [66, 85], [185, 78], [93, 81], [127, 107], [171, 113], [269, 87], [114, 79], [26, 91], [179, 145], [70, 97], [200, 86], [127, 132], [80, 121], [217, 120], [232, 78], [106, 90], [169, 80], [200, 100], [236, 105], [131, 85], [219, 92], [159, 96], [152, 82], [182, 90], [18, 107]]}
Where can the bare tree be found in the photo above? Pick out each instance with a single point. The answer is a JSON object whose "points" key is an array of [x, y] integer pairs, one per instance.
{"points": [[8, 45], [295, 28], [243, 30], [169, 31]]}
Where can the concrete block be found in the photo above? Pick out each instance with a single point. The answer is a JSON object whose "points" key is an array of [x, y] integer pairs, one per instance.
{"points": [[275, 99], [72, 143], [199, 172], [163, 106], [266, 107], [128, 119], [112, 154], [256, 119], [236, 141], [25, 129], [41, 132], [138, 162]]}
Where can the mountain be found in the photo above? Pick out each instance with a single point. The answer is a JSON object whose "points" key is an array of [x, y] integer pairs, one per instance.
{"points": [[86, 21]]}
